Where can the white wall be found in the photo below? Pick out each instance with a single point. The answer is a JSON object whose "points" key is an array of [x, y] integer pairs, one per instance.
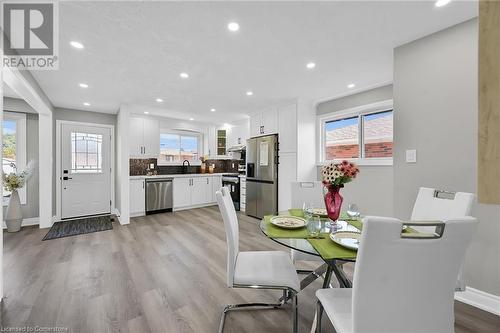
{"points": [[436, 103]]}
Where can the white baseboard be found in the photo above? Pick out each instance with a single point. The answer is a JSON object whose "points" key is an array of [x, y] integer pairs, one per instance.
{"points": [[479, 299], [193, 207], [27, 222]]}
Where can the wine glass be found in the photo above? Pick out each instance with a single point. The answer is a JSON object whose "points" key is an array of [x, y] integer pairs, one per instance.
{"points": [[313, 226], [353, 211]]}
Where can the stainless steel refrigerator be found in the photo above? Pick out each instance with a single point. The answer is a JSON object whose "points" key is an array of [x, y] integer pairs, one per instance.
{"points": [[262, 176]]}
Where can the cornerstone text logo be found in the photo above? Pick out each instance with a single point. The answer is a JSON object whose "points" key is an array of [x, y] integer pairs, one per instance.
{"points": [[30, 38]]}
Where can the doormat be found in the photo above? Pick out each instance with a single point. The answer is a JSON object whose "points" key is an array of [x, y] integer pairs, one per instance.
{"points": [[79, 226]]}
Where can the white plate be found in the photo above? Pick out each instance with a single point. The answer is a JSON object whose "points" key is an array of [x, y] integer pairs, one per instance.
{"points": [[288, 222], [348, 239], [319, 211]]}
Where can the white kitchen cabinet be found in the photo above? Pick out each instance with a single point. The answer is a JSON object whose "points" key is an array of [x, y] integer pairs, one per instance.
{"points": [[255, 124], [270, 121], [151, 137], [199, 189], [144, 137], [137, 197], [243, 193], [287, 174], [182, 192], [136, 136], [216, 185], [264, 122], [287, 129], [195, 191]]}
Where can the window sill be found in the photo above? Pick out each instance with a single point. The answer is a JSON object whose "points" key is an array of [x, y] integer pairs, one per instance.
{"points": [[363, 161]]}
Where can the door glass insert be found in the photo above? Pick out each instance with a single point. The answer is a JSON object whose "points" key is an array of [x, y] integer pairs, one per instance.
{"points": [[86, 152]]}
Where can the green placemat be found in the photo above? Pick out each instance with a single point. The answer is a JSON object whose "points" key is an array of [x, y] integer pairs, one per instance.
{"points": [[327, 249]]}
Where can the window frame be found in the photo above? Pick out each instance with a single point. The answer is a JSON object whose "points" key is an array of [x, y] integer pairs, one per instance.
{"points": [[181, 133], [360, 112], [20, 119]]}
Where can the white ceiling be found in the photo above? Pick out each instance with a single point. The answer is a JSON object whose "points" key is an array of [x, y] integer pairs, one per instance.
{"points": [[134, 52]]}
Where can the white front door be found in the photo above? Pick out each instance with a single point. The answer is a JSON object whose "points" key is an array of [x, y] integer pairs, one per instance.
{"points": [[85, 170]]}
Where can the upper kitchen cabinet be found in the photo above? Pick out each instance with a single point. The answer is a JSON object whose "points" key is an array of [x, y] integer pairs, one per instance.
{"points": [[264, 122], [288, 128], [144, 137], [238, 134]]}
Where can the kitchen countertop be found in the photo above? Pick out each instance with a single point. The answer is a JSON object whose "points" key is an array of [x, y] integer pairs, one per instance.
{"points": [[181, 175]]}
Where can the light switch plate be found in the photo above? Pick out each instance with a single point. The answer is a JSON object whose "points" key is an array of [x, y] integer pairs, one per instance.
{"points": [[411, 156]]}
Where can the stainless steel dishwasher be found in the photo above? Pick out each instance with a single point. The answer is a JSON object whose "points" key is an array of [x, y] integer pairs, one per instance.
{"points": [[159, 196]]}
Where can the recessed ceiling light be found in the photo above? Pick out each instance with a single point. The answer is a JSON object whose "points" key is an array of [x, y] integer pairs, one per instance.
{"points": [[441, 3], [212, 110], [184, 75], [351, 85], [83, 85], [76, 45], [233, 26], [191, 118], [86, 103], [249, 93], [159, 100], [146, 112], [311, 65]]}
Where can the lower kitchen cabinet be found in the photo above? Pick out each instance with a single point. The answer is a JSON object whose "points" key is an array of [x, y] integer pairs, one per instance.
{"points": [[137, 197], [195, 191], [199, 190], [182, 192]]}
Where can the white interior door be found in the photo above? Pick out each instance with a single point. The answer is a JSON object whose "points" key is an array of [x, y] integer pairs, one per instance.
{"points": [[85, 170]]}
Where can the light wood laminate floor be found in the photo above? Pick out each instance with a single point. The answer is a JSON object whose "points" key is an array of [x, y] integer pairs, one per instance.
{"points": [[161, 273]]}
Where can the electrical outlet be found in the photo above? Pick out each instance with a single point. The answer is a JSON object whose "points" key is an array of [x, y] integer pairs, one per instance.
{"points": [[411, 156]]}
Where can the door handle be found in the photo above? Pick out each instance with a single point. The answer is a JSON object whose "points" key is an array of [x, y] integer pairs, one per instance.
{"points": [[67, 178]]}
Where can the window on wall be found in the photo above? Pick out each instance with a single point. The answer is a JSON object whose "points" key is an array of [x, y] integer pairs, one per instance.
{"points": [[364, 135], [86, 153], [14, 149], [177, 146]]}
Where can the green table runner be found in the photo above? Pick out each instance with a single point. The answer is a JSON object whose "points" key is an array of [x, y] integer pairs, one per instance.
{"points": [[325, 247]]}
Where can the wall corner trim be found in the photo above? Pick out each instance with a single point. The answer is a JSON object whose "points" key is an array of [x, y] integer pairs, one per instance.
{"points": [[479, 299]]}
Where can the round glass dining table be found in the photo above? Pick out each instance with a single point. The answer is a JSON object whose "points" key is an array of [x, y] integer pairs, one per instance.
{"points": [[330, 265]]}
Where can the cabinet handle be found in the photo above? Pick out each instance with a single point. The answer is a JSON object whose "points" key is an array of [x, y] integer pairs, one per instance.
{"points": [[207, 181], [144, 150]]}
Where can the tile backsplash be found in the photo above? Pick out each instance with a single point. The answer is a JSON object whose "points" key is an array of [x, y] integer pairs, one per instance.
{"points": [[140, 166]]}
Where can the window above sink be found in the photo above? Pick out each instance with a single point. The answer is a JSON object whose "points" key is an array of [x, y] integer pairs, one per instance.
{"points": [[177, 146]]}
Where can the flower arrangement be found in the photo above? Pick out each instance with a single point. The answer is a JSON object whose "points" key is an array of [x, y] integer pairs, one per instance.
{"points": [[338, 174], [335, 175], [16, 180]]}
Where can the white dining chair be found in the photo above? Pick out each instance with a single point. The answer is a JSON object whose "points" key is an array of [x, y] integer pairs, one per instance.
{"points": [[255, 269], [438, 205], [311, 192], [402, 283]]}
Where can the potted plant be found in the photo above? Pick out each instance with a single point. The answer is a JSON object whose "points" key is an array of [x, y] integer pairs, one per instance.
{"points": [[12, 182], [335, 175]]}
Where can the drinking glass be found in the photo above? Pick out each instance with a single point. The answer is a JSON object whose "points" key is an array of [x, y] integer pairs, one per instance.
{"points": [[308, 209], [313, 226], [353, 211]]}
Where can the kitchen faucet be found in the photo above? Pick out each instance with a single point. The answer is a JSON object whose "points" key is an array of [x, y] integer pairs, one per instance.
{"points": [[184, 168]]}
